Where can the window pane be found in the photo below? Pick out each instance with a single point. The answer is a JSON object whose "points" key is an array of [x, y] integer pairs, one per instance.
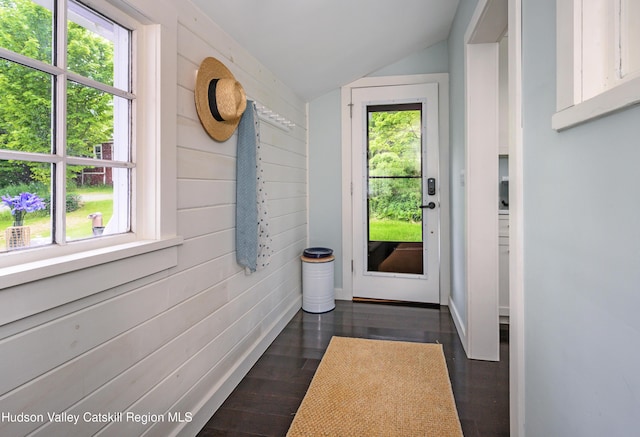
{"points": [[25, 108], [97, 48], [26, 191], [26, 27], [97, 202], [94, 119]]}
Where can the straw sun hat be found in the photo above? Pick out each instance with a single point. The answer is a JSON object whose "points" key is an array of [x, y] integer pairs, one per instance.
{"points": [[220, 99]]}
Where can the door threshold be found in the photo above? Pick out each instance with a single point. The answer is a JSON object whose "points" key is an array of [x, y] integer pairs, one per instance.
{"points": [[396, 302]]}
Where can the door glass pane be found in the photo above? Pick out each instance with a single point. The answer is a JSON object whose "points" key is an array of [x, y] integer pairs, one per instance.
{"points": [[394, 187]]}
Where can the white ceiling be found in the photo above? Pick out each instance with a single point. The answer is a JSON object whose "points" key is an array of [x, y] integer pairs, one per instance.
{"points": [[315, 46]]}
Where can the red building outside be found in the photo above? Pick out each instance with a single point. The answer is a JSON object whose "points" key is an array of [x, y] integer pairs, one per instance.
{"points": [[99, 175]]}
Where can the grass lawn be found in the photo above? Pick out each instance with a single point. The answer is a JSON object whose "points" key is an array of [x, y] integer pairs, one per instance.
{"points": [[78, 224], [395, 230]]}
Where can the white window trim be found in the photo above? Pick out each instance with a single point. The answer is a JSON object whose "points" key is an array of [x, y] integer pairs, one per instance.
{"points": [[154, 191], [570, 110], [37, 270]]}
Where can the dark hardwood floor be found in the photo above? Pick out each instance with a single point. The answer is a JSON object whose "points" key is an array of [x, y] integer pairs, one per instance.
{"points": [[266, 400]]}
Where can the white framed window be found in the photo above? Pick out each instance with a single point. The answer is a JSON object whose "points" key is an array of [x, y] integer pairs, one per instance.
{"points": [[137, 200], [598, 59], [69, 68]]}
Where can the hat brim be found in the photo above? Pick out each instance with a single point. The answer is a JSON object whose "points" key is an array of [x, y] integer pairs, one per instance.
{"points": [[210, 69]]}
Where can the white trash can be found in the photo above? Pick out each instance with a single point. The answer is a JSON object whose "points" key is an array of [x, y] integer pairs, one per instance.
{"points": [[318, 295]]}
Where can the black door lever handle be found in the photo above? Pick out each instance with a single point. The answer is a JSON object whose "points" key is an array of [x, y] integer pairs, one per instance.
{"points": [[429, 205]]}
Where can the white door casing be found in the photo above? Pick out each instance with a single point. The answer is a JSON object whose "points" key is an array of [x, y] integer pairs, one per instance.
{"points": [[423, 287], [442, 79]]}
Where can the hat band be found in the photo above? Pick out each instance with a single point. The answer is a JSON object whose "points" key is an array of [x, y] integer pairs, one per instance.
{"points": [[213, 108]]}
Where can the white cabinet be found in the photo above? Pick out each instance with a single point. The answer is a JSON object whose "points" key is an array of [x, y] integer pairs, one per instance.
{"points": [[503, 263]]}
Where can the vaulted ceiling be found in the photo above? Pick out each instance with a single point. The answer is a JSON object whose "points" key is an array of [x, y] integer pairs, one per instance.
{"points": [[315, 46]]}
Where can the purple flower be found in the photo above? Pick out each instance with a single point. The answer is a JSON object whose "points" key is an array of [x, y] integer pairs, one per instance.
{"points": [[22, 204]]}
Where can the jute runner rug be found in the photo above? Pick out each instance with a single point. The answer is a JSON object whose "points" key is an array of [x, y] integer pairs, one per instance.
{"points": [[378, 388]]}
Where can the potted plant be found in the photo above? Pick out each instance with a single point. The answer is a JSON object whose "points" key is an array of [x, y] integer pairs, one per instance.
{"points": [[19, 235]]}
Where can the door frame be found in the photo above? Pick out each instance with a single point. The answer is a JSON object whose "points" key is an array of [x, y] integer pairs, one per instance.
{"points": [[442, 79], [481, 335], [414, 287], [488, 15]]}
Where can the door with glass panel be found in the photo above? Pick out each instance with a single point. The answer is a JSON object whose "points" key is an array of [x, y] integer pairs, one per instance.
{"points": [[396, 230]]}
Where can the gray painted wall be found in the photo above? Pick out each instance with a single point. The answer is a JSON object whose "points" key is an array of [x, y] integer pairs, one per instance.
{"points": [[325, 177], [434, 59], [581, 254], [581, 242], [325, 152]]}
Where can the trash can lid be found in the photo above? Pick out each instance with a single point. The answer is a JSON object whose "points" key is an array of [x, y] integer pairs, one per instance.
{"points": [[317, 252]]}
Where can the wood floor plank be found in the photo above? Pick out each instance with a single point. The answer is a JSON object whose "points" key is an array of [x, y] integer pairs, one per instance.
{"points": [[265, 401]]}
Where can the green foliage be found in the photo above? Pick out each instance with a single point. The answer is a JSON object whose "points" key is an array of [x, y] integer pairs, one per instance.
{"points": [[26, 28], [396, 199], [394, 143], [26, 95], [73, 202], [34, 187], [395, 154]]}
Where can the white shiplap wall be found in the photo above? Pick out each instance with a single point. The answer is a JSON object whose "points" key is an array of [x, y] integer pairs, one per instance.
{"points": [[177, 340]]}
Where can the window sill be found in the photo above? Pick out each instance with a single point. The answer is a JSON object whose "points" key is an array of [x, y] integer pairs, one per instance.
{"points": [[33, 271], [615, 99]]}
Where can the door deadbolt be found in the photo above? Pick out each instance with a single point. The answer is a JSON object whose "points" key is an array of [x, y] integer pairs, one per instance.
{"points": [[431, 186]]}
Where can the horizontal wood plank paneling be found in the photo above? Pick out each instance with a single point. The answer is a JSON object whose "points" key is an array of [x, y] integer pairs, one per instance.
{"points": [[278, 207], [201, 221], [76, 285], [191, 135], [180, 338], [242, 326], [278, 155], [284, 190], [194, 164], [181, 359], [64, 384], [193, 193], [280, 173]]}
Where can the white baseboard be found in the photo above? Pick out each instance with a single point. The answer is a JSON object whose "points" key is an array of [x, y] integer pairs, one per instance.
{"points": [[341, 294], [460, 326]]}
